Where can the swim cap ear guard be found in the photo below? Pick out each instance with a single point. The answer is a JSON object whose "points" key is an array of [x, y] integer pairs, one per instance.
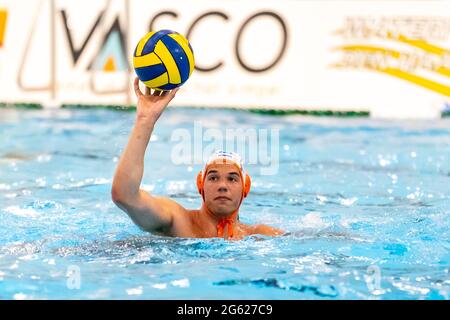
{"points": [[246, 190]]}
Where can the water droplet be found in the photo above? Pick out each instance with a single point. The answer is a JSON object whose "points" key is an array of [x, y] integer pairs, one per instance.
{"points": [[182, 283], [20, 296], [135, 291], [160, 286]]}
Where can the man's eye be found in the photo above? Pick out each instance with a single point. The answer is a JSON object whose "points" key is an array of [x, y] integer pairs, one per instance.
{"points": [[233, 179], [212, 178]]}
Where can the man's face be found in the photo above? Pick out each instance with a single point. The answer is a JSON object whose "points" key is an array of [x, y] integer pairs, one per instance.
{"points": [[223, 188]]}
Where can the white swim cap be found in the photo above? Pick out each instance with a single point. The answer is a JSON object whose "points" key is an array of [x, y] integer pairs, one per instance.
{"points": [[226, 157]]}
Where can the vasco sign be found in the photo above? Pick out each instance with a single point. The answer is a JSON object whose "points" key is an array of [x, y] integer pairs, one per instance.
{"points": [[196, 23]]}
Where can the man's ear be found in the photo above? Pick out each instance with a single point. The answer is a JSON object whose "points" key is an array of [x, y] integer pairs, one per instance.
{"points": [[247, 185], [200, 182]]}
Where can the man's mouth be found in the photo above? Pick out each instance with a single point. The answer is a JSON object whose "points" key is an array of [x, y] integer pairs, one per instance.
{"points": [[222, 198]]}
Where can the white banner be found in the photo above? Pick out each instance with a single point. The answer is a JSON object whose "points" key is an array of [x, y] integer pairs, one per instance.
{"points": [[390, 58]]}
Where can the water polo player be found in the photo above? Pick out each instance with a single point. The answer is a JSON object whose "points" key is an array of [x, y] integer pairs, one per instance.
{"points": [[223, 185]]}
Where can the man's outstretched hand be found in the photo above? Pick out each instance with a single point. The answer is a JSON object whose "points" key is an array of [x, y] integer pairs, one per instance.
{"points": [[150, 106]]}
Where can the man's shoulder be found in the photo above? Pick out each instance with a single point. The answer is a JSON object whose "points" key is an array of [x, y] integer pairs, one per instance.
{"points": [[170, 204], [175, 209], [263, 229]]}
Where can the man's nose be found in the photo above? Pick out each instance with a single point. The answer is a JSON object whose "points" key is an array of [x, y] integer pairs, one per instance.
{"points": [[223, 187]]}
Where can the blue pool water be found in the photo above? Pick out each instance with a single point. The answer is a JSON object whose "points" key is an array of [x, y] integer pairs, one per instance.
{"points": [[366, 204]]}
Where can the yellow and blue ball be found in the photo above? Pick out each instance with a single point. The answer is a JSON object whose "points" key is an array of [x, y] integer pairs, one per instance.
{"points": [[163, 60]]}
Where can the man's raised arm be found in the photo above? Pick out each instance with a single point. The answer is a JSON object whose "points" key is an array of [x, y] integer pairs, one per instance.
{"points": [[149, 212]]}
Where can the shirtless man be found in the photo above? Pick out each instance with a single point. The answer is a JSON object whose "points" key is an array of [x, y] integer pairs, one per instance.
{"points": [[223, 185]]}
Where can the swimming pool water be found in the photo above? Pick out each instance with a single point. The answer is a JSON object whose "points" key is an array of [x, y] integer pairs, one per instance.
{"points": [[362, 200]]}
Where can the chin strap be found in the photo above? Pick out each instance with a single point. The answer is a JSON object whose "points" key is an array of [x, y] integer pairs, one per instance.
{"points": [[229, 221]]}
